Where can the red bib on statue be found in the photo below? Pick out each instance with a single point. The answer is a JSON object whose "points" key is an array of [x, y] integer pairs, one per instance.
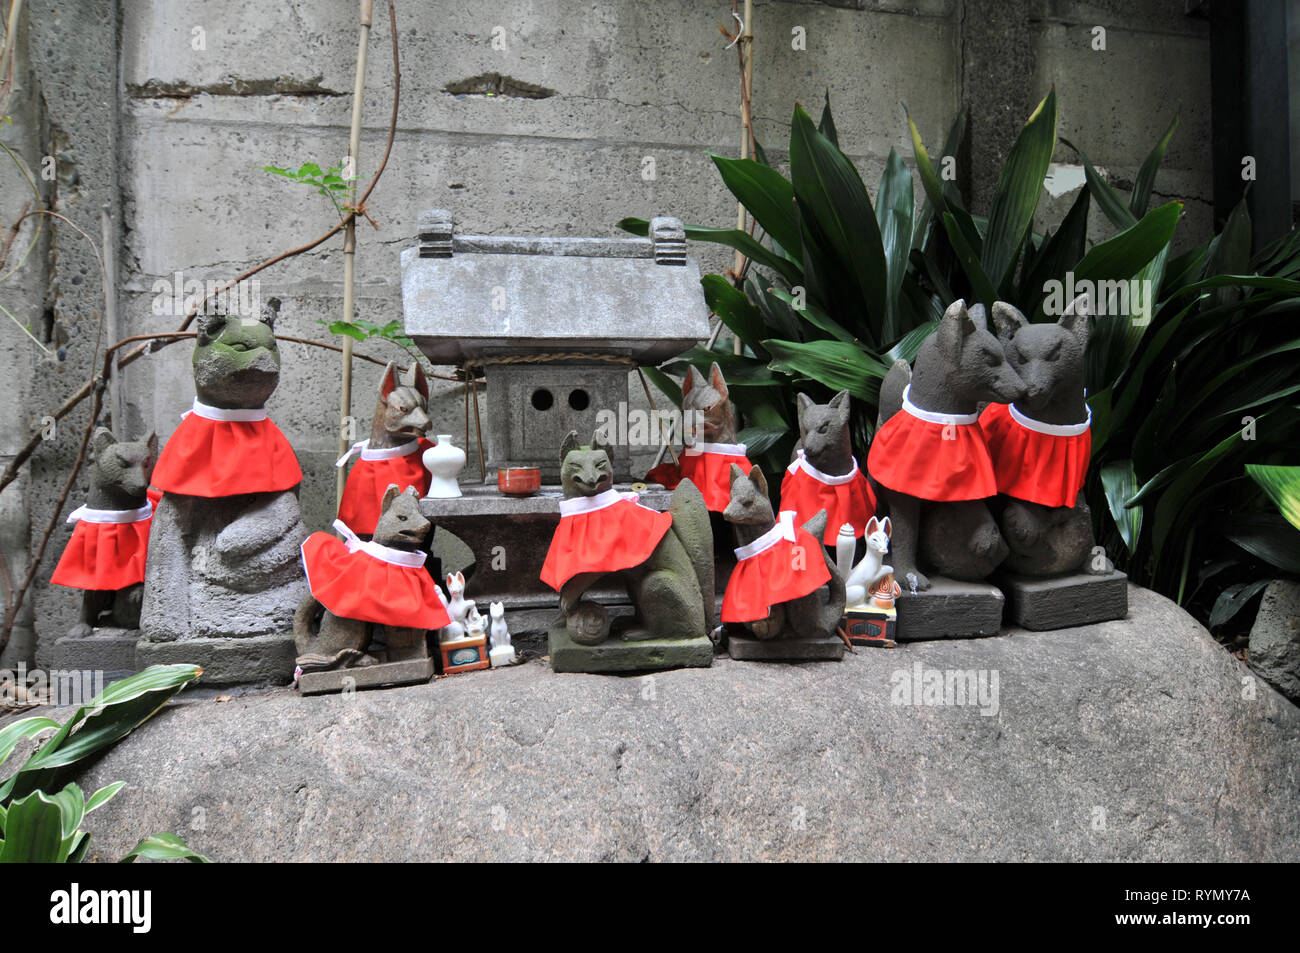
{"points": [[708, 466], [107, 550], [932, 456], [372, 583], [1034, 461], [602, 533], [846, 498], [669, 474], [784, 563], [373, 473], [219, 452]]}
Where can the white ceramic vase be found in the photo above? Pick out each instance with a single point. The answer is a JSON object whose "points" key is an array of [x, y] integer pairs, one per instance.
{"points": [[444, 461]]}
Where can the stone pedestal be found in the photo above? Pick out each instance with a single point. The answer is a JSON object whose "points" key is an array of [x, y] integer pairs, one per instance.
{"points": [[411, 672], [950, 609], [1063, 602], [616, 655], [108, 649], [749, 649], [227, 661]]}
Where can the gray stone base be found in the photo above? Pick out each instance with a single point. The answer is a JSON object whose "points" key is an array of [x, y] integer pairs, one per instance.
{"points": [[109, 650], [950, 609], [386, 674], [1063, 602], [257, 658], [616, 655], [749, 649]]}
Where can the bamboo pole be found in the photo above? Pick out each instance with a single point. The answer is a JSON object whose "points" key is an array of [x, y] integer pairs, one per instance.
{"points": [[746, 40], [111, 322], [350, 241]]}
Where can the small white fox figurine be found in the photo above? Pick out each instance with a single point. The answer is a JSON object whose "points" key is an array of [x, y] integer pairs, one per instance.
{"points": [[503, 653], [500, 634], [872, 568], [458, 607]]}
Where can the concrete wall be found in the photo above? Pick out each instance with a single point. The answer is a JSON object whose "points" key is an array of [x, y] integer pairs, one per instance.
{"points": [[167, 116]]}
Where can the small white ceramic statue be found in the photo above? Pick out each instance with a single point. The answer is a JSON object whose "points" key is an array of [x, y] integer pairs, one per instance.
{"points": [[458, 607], [503, 653], [860, 581]]}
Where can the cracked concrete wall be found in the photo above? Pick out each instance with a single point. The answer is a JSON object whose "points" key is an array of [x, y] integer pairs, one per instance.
{"points": [[171, 113]]}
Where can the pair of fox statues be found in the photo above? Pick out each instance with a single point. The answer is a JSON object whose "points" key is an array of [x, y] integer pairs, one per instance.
{"points": [[977, 462]]}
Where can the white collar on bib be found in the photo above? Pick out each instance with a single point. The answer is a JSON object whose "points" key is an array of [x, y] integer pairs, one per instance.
{"points": [[784, 529]]}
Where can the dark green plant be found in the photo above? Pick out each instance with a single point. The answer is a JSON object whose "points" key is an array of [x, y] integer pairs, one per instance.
{"points": [[37, 827], [1183, 402], [833, 296], [828, 301]]}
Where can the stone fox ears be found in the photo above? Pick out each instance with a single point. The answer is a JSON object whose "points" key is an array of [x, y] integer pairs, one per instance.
{"points": [[694, 379], [1075, 318], [755, 477], [960, 322], [393, 492], [103, 439], [1008, 320], [413, 376], [839, 403], [571, 443], [210, 326]]}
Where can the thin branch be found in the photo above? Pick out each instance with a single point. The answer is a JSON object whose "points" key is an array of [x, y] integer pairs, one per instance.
{"points": [[96, 384], [25, 453]]}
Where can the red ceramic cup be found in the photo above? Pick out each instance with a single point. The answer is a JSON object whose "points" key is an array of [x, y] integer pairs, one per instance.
{"points": [[519, 481]]}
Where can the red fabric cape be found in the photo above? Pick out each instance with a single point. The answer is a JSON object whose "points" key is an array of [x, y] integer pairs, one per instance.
{"points": [[617, 535], [368, 479], [356, 585], [769, 578], [104, 556], [669, 474], [851, 502], [1030, 465], [912, 456], [711, 472], [214, 458]]}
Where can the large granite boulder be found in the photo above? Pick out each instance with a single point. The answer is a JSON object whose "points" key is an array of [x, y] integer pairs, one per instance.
{"points": [[1139, 739], [1275, 637]]}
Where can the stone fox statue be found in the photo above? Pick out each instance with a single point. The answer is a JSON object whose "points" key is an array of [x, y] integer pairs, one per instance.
{"points": [[1042, 443], [392, 454], [709, 422], [785, 584], [107, 552], [665, 559], [360, 589], [823, 473], [223, 553], [929, 457]]}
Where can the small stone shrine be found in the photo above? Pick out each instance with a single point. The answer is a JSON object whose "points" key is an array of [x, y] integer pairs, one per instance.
{"points": [[555, 324]]}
